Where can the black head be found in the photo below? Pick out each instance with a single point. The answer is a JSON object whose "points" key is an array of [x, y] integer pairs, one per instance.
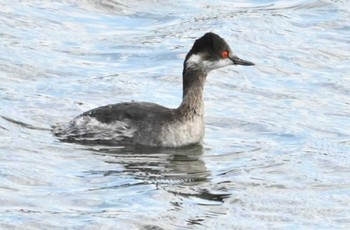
{"points": [[211, 52]]}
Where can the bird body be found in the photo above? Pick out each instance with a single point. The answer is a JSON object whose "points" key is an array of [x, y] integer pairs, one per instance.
{"points": [[149, 124]]}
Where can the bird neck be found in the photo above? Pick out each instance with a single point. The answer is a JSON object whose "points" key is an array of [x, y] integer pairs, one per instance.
{"points": [[193, 85]]}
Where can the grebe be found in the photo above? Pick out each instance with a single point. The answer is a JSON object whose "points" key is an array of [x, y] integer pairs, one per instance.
{"points": [[149, 124]]}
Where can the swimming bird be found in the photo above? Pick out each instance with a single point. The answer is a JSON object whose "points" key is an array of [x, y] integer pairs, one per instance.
{"points": [[150, 124]]}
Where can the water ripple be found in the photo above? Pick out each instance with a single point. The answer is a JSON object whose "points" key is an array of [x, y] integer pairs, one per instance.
{"points": [[276, 146]]}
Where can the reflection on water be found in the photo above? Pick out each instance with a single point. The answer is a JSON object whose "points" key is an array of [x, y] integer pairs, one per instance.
{"points": [[160, 167], [276, 150], [156, 165]]}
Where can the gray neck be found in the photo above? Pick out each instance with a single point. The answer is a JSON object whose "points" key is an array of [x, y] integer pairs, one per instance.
{"points": [[193, 85]]}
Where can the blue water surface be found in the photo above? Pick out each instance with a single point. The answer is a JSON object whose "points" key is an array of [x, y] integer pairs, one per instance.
{"points": [[277, 148]]}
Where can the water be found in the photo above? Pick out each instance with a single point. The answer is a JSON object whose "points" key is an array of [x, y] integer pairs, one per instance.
{"points": [[276, 151]]}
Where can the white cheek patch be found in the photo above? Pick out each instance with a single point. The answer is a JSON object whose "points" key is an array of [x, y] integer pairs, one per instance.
{"points": [[196, 61], [217, 64]]}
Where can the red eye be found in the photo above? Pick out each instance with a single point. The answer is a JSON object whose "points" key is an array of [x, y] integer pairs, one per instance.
{"points": [[224, 54]]}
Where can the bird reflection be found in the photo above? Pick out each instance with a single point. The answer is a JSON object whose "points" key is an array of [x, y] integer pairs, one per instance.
{"points": [[178, 171], [157, 165]]}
